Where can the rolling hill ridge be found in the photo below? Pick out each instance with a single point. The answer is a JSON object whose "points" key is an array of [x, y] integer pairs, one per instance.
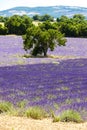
{"points": [[55, 11]]}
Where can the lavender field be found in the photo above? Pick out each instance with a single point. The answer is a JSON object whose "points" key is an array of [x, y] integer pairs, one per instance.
{"points": [[54, 83]]}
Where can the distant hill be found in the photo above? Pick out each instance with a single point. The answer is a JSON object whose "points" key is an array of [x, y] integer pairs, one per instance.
{"points": [[55, 11]]}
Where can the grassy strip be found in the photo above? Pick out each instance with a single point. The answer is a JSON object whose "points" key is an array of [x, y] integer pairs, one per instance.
{"points": [[68, 116], [36, 113], [39, 113]]}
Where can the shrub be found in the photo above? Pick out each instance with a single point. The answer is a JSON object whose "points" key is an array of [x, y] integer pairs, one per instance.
{"points": [[5, 107], [35, 113], [56, 119], [70, 115], [21, 104], [20, 109]]}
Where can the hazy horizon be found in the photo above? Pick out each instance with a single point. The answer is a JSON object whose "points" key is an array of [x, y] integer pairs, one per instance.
{"points": [[5, 4]]}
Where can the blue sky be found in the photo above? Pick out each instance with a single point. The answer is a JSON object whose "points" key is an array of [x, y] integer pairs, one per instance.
{"points": [[6, 4]]}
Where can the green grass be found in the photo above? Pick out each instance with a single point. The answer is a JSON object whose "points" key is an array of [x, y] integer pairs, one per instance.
{"points": [[70, 116], [9, 109], [54, 117], [67, 116], [26, 56], [31, 56], [5, 107], [22, 104], [35, 113]]}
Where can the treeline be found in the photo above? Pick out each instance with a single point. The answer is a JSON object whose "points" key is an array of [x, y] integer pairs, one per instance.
{"points": [[15, 25], [75, 26]]}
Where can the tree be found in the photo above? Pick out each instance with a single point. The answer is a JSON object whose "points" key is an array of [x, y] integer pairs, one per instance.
{"points": [[13, 24], [79, 17], [18, 24], [36, 17], [46, 25], [1, 19], [46, 17], [3, 30], [27, 21], [62, 19], [40, 41], [82, 29]]}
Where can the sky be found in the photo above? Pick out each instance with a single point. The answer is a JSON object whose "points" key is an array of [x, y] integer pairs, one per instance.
{"points": [[6, 4]]}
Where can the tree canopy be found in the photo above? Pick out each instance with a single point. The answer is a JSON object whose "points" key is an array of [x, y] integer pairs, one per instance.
{"points": [[39, 40], [18, 24], [75, 26], [43, 17]]}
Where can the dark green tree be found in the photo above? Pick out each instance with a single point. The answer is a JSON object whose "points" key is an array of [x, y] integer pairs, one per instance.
{"points": [[40, 41], [82, 29], [3, 19], [79, 17], [62, 19], [18, 24], [46, 25], [13, 24], [36, 17], [3, 30], [27, 21], [46, 17]]}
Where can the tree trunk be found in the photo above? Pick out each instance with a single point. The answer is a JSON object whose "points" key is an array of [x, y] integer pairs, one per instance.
{"points": [[45, 52]]}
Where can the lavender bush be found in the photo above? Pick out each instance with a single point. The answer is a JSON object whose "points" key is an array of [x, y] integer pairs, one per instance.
{"points": [[11, 51], [75, 47], [58, 87], [53, 84]]}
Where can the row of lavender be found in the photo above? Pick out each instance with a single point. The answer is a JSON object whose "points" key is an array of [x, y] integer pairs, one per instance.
{"points": [[52, 83], [11, 50], [75, 47], [56, 86], [14, 45]]}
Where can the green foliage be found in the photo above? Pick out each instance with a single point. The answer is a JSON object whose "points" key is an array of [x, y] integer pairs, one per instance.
{"points": [[21, 104], [35, 113], [43, 17], [5, 107], [62, 19], [8, 108], [18, 24], [73, 27], [36, 17], [46, 17], [56, 119], [70, 116], [42, 37], [46, 25], [3, 19], [79, 17], [3, 30]]}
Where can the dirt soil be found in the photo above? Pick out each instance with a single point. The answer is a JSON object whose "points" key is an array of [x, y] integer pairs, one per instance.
{"points": [[23, 123]]}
